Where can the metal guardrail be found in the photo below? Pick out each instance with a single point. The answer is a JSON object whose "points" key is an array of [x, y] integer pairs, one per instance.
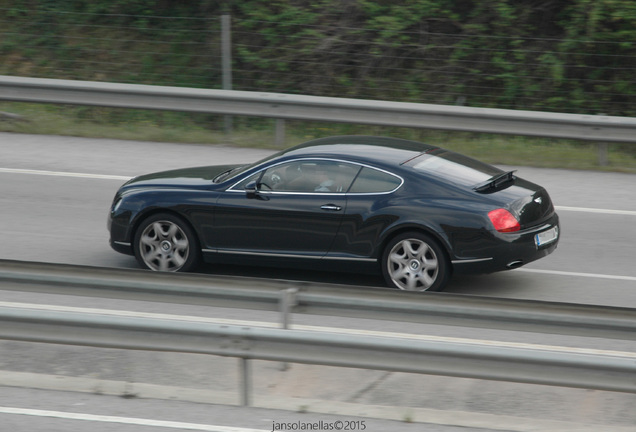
{"points": [[578, 369], [322, 299], [597, 128]]}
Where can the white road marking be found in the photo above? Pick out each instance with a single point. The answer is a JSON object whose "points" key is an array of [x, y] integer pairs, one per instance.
{"points": [[63, 174], [124, 420], [596, 210], [358, 332], [126, 178], [578, 274]]}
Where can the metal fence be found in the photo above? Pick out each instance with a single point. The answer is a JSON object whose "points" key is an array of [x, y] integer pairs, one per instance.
{"points": [[579, 368], [329, 51], [322, 299]]}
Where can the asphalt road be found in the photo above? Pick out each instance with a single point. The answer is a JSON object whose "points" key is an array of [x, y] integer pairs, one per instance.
{"points": [[54, 196], [59, 218]]}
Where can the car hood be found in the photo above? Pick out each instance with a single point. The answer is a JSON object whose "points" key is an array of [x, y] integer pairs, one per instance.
{"points": [[179, 178]]}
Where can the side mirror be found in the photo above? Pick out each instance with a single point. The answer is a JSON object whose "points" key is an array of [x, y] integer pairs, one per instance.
{"points": [[251, 190]]}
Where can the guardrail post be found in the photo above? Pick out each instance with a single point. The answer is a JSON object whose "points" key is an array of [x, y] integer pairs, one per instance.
{"points": [[602, 153], [287, 301], [279, 133], [246, 382]]}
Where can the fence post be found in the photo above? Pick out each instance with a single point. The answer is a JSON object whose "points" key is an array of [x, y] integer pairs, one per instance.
{"points": [[226, 61]]}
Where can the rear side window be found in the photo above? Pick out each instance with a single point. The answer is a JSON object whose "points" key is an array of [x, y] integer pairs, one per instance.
{"points": [[373, 181], [454, 167]]}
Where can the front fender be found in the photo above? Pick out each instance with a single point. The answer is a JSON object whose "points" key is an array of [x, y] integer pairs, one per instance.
{"points": [[194, 206]]}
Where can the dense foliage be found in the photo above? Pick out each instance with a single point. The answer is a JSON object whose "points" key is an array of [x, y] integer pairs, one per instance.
{"points": [[552, 55]]}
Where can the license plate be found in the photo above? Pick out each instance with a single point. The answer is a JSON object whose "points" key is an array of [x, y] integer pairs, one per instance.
{"points": [[546, 237]]}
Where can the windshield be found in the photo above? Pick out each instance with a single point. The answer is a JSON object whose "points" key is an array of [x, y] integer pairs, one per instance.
{"points": [[454, 167]]}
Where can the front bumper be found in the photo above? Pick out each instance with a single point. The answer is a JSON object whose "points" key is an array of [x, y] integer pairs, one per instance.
{"points": [[121, 247], [118, 227]]}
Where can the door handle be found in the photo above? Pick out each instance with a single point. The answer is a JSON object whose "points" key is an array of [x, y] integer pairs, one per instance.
{"points": [[331, 207]]}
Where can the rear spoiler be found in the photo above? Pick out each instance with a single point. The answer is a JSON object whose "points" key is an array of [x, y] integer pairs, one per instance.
{"points": [[494, 182]]}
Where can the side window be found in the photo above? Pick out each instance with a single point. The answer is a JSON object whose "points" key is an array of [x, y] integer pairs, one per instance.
{"points": [[305, 176], [319, 176], [373, 181]]}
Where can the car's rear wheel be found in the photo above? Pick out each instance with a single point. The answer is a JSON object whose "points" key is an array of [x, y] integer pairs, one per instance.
{"points": [[415, 262], [164, 242]]}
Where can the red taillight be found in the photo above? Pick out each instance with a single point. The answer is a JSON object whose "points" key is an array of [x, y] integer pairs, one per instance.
{"points": [[504, 221]]}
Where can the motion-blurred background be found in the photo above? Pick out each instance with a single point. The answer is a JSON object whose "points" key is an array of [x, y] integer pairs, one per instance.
{"points": [[576, 56]]}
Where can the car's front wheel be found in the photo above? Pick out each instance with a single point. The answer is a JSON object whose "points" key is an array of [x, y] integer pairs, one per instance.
{"points": [[415, 262], [164, 242]]}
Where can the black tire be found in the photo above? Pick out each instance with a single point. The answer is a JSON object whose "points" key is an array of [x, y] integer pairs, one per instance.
{"points": [[415, 262], [164, 242]]}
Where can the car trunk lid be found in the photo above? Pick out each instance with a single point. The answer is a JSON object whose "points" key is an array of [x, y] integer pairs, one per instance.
{"points": [[528, 202], [534, 208]]}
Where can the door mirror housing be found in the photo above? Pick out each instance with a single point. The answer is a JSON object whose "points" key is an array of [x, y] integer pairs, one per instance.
{"points": [[251, 189]]}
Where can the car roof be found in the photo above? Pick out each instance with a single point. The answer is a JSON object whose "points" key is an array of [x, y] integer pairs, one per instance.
{"points": [[378, 150]]}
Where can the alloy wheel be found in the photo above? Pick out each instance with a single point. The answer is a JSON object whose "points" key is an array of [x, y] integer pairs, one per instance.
{"points": [[164, 246], [413, 265]]}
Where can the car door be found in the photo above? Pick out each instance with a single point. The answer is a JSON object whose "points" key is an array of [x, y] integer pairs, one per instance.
{"points": [[294, 208], [370, 210]]}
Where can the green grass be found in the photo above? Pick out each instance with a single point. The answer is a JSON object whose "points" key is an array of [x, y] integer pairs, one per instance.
{"points": [[160, 126]]}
